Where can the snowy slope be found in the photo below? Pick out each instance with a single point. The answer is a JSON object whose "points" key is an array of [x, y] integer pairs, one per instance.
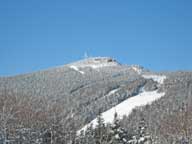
{"points": [[126, 107], [158, 78]]}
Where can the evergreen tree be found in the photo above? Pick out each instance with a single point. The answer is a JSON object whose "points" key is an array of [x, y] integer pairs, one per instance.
{"points": [[141, 136], [89, 135], [100, 130], [81, 138], [117, 135]]}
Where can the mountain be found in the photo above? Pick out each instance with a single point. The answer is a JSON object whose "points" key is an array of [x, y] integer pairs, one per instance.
{"points": [[70, 98]]}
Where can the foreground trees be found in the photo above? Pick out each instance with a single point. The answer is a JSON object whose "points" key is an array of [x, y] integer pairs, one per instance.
{"points": [[117, 133], [105, 133], [30, 120], [37, 120], [177, 125]]}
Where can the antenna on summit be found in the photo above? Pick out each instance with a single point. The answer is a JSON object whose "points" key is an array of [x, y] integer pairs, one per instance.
{"points": [[85, 55]]}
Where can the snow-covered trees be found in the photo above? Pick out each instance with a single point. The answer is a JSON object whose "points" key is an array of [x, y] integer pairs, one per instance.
{"points": [[32, 120], [30, 115], [141, 136], [177, 126], [117, 134], [104, 133], [97, 135], [8, 112], [100, 129]]}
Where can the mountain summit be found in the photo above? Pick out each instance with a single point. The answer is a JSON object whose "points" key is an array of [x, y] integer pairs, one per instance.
{"points": [[96, 62]]}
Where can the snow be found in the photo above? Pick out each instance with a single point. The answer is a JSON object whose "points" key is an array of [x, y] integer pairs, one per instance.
{"points": [[95, 63], [113, 91], [100, 65], [126, 107], [117, 136], [142, 139], [137, 69], [158, 78], [77, 69]]}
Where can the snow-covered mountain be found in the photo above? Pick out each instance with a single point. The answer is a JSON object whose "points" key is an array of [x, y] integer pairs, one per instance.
{"points": [[72, 95]]}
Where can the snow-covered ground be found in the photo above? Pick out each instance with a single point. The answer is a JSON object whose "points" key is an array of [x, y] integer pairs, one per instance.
{"points": [[158, 78], [112, 92], [126, 107], [95, 63], [77, 69], [99, 65], [137, 69]]}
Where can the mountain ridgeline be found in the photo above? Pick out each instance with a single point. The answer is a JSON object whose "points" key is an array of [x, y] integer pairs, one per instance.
{"points": [[63, 104]]}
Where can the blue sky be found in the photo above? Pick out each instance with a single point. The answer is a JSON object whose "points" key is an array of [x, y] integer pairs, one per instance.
{"points": [[38, 34]]}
